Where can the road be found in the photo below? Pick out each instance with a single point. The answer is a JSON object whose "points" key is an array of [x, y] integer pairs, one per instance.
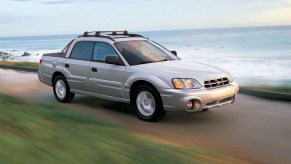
{"points": [[252, 129]]}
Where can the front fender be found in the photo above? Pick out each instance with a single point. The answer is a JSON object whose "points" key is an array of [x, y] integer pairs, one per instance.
{"points": [[155, 81]]}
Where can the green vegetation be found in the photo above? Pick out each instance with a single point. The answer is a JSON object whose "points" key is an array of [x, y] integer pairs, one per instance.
{"points": [[22, 64], [49, 133], [280, 89]]}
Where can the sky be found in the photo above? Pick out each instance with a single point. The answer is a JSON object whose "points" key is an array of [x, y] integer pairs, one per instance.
{"points": [[54, 17]]}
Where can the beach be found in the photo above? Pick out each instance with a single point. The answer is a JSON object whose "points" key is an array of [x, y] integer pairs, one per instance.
{"points": [[254, 55]]}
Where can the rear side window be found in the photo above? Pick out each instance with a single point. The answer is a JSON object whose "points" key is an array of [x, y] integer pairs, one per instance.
{"points": [[82, 50], [101, 50], [64, 51]]}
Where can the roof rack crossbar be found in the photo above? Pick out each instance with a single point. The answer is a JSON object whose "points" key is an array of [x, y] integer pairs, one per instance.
{"points": [[109, 33], [101, 36], [99, 32]]}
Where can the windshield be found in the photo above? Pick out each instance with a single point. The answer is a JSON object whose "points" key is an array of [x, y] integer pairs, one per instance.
{"points": [[142, 52]]}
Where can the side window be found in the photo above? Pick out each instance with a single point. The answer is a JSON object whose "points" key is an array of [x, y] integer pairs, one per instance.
{"points": [[101, 50], [82, 50]]}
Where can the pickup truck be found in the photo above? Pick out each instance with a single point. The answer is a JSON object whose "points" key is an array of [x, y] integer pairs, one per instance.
{"points": [[130, 68]]}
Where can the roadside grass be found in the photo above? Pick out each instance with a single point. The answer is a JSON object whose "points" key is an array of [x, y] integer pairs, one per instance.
{"points": [[50, 133], [22, 64], [278, 89]]}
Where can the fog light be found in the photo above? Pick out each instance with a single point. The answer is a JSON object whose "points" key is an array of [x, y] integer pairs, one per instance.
{"points": [[189, 105], [197, 104]]}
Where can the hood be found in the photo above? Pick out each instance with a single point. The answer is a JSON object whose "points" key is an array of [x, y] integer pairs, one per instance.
{"points": [[181, 69]]}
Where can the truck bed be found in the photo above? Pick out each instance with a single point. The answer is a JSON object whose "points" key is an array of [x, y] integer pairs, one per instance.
{"points": [[56, 54]]}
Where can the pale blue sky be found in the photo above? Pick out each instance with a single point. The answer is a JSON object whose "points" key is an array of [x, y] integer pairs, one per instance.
{"points": [[47, 17]]}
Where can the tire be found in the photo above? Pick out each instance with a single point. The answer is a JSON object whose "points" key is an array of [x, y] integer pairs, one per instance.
{"points": [[62, 90], [148, 103]]}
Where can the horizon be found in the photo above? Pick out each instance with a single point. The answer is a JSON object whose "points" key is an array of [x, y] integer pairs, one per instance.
{"points": [[210, 28], [56, 17]]}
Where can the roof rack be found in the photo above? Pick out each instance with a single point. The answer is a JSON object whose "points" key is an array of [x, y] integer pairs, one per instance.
{"points": [[108, 34]]}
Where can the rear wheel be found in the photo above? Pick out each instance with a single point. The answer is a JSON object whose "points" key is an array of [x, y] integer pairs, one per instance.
{"points": [[148, 103], [62, 90]]}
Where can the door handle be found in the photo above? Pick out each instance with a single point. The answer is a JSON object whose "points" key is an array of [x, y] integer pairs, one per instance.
{"points": [[94, 69], [67, 65]]}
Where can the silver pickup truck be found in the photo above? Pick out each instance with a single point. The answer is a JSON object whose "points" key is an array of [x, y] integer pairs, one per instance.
{"points": [[130, 68]]}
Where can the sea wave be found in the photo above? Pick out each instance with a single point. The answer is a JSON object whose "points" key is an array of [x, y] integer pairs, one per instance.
{"points": [[257, 55], [246, 67], [23, 55]]}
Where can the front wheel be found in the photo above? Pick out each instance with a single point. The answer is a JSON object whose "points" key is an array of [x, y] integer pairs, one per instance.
{"points": [[148, 103], [62, 90]]}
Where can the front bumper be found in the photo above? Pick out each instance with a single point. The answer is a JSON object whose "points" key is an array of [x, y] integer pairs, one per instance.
{"points": [[175, 100]]}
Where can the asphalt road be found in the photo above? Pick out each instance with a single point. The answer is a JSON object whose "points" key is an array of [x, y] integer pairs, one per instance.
{"points": [[252, 129]]}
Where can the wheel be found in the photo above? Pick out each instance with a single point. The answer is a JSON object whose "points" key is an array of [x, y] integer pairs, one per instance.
{"points": [[148, 103], [62, 90]]}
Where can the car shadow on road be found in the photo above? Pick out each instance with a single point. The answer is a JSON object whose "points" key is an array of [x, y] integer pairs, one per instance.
{"points": [[205, 119], [95, 103], [183, 117]]}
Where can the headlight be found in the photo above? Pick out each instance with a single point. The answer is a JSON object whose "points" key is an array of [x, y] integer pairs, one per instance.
{"points": [[230, 79], [186, 84]]}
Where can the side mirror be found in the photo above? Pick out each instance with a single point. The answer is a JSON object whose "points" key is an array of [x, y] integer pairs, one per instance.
{"points": [[174, 53], [112, 60]]}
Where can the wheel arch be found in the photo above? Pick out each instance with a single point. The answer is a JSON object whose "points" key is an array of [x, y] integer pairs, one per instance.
{"points": [[56, 74], [138, 83]]}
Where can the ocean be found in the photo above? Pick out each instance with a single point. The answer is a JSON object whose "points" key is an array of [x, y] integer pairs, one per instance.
{"points": [[256, 55]]}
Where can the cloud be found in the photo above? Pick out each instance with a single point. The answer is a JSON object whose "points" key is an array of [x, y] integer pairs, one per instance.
{"points": [[52, 2], [21, 0], [8, 18], [270, 3], [274, 16], [58, 2], [48, 1]]}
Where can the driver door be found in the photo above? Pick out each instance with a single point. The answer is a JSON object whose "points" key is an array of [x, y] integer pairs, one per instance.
{"points": [[106, 79]]}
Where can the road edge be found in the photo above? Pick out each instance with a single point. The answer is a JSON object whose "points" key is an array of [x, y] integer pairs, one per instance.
{"points": [[243, 90], [265, 94], [19, 68]]}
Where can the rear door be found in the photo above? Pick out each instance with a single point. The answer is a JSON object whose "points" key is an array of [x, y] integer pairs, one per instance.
{"points": [[106, 79], [78, 64]]}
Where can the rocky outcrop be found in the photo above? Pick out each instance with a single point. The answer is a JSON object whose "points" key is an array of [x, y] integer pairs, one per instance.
{"points": [[4, 55], [26, 54]]}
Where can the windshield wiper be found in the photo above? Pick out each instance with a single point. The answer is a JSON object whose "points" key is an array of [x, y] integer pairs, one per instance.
{"points": [[164, 60], [144, 62]]}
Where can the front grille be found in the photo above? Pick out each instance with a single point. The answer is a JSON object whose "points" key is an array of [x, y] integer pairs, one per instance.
{"points": [[219, 102], [215, 83]]}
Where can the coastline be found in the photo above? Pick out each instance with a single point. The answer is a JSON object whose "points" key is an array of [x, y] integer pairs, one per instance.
{"points": [[15, 55], [262, 60], [266, 92]]}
